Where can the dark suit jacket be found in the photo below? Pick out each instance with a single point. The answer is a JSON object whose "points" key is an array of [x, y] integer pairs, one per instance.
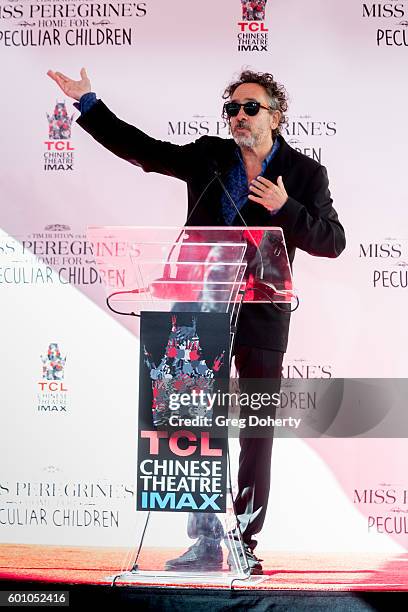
{"points": [[308, 218]]}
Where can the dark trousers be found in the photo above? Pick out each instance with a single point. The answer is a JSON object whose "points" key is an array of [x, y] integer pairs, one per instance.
{"points": [[254, 471]]}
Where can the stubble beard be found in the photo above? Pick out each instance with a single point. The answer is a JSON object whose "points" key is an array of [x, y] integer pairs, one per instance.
{"points": [[247, 141]]}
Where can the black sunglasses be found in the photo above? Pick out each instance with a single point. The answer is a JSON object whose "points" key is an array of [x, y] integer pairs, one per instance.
{"points": [[231, 109]]}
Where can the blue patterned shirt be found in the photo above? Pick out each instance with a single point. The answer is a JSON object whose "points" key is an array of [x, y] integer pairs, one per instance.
{"points": [[86, 102], [237, 185]]}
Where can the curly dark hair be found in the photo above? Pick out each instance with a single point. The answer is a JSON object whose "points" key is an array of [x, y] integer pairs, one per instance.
{"points": [[276, 92]]}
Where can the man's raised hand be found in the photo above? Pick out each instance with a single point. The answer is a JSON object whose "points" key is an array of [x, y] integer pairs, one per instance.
{"points": [[71, 88], [271, 196]]}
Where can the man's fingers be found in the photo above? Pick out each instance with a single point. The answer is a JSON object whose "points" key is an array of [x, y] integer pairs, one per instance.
{"points": [[53, 76], [257, 190], [257, 184], [83, 73], [63, 76], [269, 207], [256, 199], [60, 82], [264, 186], [57, 79], [265, 181]]}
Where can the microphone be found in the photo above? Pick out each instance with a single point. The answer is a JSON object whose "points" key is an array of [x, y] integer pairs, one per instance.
{"points": [[264, 287], [258, 281], [166, 271], [210, 182], [227, 193]]}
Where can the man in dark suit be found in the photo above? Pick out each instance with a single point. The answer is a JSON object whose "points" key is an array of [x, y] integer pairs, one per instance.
{"points": [[253, 179]]}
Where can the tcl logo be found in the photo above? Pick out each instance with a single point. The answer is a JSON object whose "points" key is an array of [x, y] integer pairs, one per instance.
{"points": [[52, 386], [252, 26], [58, 145]]}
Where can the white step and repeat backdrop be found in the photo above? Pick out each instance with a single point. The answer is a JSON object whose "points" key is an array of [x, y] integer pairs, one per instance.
{"points": [[69, 369]]}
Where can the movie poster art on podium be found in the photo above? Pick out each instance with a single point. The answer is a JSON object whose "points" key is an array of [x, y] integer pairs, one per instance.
{"points": [[182, 450]]}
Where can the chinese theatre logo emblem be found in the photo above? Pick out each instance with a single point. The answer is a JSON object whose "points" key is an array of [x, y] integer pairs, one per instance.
{"points": [[182, 369], [253, 11], [252, 31], [53, 363], [52, 394], [59, 124], [58, 154]]}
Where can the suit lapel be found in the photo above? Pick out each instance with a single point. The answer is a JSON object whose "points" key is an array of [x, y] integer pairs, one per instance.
{"points": [[280, 163]]}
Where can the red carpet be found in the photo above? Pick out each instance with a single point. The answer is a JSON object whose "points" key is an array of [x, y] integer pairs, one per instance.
{"points": [[294, 571]]}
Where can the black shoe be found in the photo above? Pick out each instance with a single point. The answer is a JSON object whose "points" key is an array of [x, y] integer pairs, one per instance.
{"points": [[246, 558], [203, 556], [204, 524]]}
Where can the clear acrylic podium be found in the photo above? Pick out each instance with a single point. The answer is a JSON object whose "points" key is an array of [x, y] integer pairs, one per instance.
{"points": [[189, 270]]}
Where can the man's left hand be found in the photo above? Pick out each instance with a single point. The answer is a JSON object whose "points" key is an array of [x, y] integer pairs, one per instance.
{"points": [[271, 196]]}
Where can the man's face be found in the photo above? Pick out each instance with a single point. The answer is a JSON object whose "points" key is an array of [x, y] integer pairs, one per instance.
{"points": [[253, 131]]}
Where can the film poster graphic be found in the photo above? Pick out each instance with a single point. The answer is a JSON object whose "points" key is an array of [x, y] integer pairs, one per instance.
{"points": [[182, 455]]}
